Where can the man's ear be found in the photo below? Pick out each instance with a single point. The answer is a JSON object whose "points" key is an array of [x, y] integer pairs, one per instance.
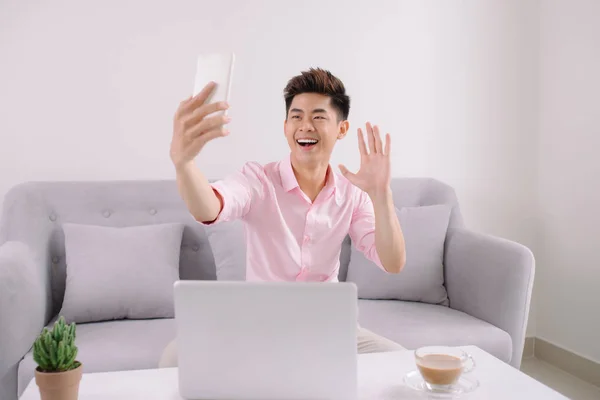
{"points": [[343, 130]]}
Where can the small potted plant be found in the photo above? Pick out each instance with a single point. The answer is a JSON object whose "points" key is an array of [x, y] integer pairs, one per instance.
{"points": [[58, 372]]}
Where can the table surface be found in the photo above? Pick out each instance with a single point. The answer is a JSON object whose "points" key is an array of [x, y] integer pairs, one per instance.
{"points": [[380, 376]]}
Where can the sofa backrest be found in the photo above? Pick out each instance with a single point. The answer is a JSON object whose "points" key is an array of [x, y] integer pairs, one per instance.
{"points": [[33, 213], [414, 192]]}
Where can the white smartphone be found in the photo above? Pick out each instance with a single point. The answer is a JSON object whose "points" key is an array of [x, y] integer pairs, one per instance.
{"points": [[216, 67]]}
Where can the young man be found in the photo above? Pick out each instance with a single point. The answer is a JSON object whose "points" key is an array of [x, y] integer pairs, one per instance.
{"points": [[301, 201]]}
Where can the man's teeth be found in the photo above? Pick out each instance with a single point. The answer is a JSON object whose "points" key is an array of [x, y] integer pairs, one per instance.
{"points": [[307, 141]]}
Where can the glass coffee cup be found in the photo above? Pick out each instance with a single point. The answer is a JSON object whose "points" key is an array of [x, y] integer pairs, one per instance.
{"points": [[442, 366]]}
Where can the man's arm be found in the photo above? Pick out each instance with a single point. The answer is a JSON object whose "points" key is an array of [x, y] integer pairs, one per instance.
{"points": [[373, 179], [194, 125], [202, 201], [376, 232], [227, 199], [389, 240]]}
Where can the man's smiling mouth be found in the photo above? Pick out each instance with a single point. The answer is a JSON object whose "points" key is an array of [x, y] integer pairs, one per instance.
{"points": [[307, 142]]}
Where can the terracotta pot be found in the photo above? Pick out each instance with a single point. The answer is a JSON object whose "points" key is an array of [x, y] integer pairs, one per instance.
{"points": [[59, 385]]}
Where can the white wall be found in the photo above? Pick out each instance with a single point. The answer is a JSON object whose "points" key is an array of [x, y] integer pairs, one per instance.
{"points": [[89, 90], [569, 164]]}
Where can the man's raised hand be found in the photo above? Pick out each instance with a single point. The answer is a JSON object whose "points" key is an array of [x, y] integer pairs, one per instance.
{"points": [[193, 127], [374, 174]]}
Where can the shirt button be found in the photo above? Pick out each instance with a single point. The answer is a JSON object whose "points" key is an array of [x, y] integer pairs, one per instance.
{"points": [[306, 239]]}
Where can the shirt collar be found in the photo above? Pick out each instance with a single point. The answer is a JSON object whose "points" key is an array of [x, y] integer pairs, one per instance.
{"points": [[289, 181]]}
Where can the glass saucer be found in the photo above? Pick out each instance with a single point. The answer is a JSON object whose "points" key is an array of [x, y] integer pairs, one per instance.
{"points": [[466, 384]]}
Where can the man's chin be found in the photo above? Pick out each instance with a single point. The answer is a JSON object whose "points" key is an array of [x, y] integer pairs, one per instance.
{"points": [[310, 159]]}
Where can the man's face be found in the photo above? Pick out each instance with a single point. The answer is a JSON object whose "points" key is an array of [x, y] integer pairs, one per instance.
{"points": [[312, 129]]}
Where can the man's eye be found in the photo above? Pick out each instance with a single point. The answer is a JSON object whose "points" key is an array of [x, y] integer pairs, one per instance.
{"points": [[319, 117], [295, 116]]}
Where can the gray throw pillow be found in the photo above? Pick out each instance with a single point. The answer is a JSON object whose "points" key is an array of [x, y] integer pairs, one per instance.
{"points": [[422, 278], [120, 273], [228, 244]]}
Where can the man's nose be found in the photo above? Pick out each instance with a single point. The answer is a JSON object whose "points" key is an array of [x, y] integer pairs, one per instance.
{"points": [[306, 126]]}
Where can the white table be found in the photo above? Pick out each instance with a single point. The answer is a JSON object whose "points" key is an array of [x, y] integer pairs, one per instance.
{"points": [[379, 377]]}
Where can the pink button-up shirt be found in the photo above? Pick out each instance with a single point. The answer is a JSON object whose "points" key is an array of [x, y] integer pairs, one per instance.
{"points": [[290, 238]]}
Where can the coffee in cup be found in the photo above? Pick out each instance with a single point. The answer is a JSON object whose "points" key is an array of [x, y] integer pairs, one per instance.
{"points": [[442, 366]]}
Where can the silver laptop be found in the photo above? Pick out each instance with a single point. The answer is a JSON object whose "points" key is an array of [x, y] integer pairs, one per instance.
{"points": [[267, 341]]}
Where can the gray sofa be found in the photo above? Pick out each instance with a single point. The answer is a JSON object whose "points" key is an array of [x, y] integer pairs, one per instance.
{"points": [[488, 280]]}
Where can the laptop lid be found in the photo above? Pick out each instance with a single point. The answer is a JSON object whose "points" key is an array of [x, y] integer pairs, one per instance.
{"points": [[284, 341]]}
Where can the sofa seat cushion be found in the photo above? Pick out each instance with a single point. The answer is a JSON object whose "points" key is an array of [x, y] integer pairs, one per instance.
{"points": [[114, 346], [413, 325]]}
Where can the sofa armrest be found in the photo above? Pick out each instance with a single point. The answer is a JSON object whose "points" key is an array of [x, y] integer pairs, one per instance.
{"points": [[22, 310], [491, 279]]}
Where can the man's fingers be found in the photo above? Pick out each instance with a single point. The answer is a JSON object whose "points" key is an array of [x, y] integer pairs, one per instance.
{"points": [[388, 144], [371, 138], [201, 112], [180, 109], [200, 98], [377, 136], [362, 147], [206, 125], [193, 102], [197, 143], [213, 134]]}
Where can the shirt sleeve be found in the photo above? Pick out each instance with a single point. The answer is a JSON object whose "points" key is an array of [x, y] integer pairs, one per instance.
{"points": [[362, 228], [238, 191]]}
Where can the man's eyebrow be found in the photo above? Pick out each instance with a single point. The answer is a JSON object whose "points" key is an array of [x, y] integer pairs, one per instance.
{"points": [[315, 111]]}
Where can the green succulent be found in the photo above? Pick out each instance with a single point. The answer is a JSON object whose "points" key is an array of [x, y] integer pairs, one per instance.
{"points": [[54, 350]]}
